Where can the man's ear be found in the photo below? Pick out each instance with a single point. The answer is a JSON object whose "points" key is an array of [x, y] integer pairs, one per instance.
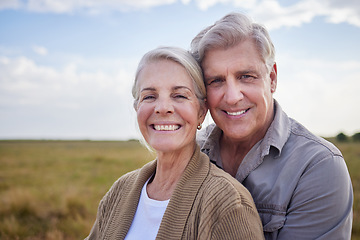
{"points": [[273, 78]]}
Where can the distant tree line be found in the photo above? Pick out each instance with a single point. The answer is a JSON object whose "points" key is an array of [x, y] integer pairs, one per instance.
{"points": [[341, 137]]}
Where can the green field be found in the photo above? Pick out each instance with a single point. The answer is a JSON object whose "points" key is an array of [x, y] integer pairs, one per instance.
{"points": [[51, 189]]}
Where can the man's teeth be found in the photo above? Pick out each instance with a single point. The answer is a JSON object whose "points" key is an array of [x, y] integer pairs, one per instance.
{"points": [[166, 127], [236, 113]]}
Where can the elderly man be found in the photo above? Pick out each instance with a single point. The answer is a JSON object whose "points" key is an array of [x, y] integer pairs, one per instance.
{"points": [[299, 182]]}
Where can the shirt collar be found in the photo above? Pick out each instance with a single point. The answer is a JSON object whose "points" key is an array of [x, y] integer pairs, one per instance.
{"points": [[209, 141], [277, 134], [274, 139]]}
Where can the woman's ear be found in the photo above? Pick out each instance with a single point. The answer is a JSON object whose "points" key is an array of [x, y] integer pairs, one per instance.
{"points": [[203, 110], [135, 106]]}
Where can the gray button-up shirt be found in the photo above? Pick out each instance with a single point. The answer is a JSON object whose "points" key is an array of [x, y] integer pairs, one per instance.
{"points": [[300, 183]]}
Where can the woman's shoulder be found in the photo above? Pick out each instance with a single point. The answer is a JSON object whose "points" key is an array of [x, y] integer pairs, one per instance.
{"points": [[223, 184], [126, 181], [119, 186]]}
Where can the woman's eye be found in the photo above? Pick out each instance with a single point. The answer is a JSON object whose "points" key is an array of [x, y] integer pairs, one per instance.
{"points": [[148, 97], [180, 96]]}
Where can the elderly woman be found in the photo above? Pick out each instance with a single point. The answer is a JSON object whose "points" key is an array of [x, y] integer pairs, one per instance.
{"points": [[179, 195]]}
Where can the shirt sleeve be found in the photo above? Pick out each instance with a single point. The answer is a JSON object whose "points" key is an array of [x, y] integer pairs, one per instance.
{"points": [[321, 206]]}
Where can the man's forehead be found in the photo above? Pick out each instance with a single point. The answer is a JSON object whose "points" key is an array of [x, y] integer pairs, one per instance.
{"points": [[238, 58]]}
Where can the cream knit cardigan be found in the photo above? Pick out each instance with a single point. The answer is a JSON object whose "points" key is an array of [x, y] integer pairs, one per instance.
{"points": [[207, 203]]}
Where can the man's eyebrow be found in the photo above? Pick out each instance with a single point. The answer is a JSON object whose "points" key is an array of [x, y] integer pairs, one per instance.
{"points": [[247, 71], [208, 77], [241, 72]]}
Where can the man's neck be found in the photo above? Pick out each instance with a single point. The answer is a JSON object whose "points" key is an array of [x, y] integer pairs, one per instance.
{"points": [[232, 154]]}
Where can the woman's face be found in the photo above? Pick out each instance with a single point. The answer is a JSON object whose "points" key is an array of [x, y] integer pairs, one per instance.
{"points": [[168, 111]]}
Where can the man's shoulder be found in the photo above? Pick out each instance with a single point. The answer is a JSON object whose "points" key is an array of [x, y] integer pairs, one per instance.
{"points": [[286, 132], [305, 139]]}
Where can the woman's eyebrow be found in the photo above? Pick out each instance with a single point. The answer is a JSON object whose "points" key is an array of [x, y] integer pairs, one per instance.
{"points": [[180, 87], [148, 89]]}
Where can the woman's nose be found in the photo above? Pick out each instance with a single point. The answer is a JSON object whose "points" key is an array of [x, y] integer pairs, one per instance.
{"points": [[164, 106]]}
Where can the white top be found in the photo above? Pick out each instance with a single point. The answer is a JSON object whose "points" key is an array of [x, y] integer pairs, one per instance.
{"points": [[147, 219]]}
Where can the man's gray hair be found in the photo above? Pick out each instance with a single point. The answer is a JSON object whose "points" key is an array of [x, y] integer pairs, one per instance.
{"points": [[231, 30]]}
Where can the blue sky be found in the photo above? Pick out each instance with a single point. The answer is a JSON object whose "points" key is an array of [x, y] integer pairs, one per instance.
{"points": [[66, 67]]}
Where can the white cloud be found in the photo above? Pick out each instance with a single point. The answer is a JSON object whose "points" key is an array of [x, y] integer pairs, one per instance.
{"points": [[273, 15], [10, 4], [68, 102], [36, 84], [344, 11], [206, 4], [91, 6], [280, 16], [185, 2], [323, 95], [268, 12], [42, 51]]}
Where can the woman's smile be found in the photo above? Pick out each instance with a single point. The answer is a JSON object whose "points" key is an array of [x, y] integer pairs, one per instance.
{"points": [[164, 127]]}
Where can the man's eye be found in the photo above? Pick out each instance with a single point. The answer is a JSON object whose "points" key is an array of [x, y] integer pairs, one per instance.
{"points": [[246, 77], [214, 81]]}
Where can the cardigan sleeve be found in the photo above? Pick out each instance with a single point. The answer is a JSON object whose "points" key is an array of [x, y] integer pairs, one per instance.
{"points": [[106, 208], [95, 230], [238, 223], [233, 214]]}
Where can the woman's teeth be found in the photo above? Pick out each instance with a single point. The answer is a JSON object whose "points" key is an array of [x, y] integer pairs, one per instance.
{"points": [[166, 127]]}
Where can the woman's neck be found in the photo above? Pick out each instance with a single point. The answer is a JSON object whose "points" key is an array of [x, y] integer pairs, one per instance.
{"points": [[169, 169]]}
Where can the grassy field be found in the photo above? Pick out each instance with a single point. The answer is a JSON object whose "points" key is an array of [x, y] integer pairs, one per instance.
{"points": [[51, 189]]}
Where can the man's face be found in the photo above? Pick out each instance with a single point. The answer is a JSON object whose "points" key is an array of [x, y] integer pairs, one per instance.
{"points": [[239, 91]]}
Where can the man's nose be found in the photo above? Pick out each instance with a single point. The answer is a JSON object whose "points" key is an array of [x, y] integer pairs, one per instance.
{"points": [[233, 93]]}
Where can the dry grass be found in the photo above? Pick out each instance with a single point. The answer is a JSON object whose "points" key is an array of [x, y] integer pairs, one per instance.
{"points": [[351, 152], [51, 189]]}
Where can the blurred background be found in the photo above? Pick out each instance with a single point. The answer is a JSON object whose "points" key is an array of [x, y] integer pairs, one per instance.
{"points": [[67, 67], [66, 72]]}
